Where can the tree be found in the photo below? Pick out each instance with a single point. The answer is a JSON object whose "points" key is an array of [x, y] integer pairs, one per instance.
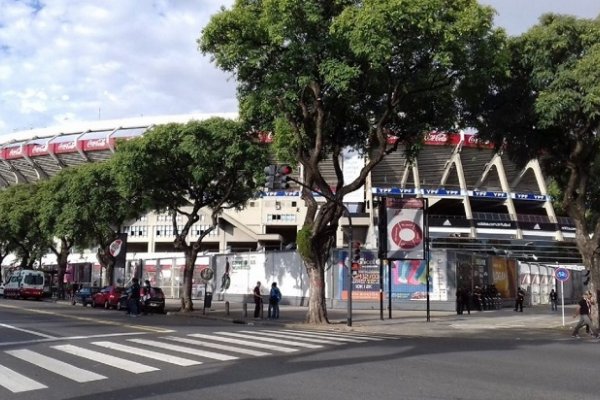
{"points": [[184, 168], [60, 217], [20, 219], [548, 107], [93, 210], [329, 75]]}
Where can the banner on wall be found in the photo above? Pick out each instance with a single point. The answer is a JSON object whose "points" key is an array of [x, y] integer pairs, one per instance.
{"points": [[405, 228], [408, 278]]}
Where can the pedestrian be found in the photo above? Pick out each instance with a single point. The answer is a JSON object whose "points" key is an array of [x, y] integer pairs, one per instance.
{"points": [[519, 300], [554, 300], [133, 298], [583, 310], [459, 301], [257, 300], [466, 300], [274, 299]]}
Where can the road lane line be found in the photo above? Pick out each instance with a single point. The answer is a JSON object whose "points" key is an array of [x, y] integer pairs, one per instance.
{"points": [[28, 331], [58, 367], [65, 338], [89, 319], [184, 362], [248, 343], [271, 340], [217, 346], [187, 350], [16, 382], [121, 363]]}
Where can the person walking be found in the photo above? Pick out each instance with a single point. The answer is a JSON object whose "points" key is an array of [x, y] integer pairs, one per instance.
{"points": [[554, 300], [274, 299], [133, 302], [519, 300], [583, 310], [460, 306], [257, 300]]}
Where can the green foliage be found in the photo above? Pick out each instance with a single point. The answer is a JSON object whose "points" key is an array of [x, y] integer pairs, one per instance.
{"points": [[303, 242], [19, 220], [548, 106], [212, 163]]}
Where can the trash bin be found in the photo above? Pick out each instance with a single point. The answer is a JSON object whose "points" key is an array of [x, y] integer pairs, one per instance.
{"points": [[208, 300]]}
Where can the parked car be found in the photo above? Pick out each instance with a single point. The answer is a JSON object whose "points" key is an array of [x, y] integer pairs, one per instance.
{"points": [[152, 300], [84, 295], [108, 297]]}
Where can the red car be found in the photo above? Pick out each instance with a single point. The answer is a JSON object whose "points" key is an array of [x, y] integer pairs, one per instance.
{"points": [[107, 297]]}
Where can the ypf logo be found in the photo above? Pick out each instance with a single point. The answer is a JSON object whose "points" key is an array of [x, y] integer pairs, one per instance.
{"points": [[407, 235]]}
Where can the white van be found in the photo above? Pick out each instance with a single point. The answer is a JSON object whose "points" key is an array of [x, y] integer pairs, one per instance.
{"points": [[25, 284]]}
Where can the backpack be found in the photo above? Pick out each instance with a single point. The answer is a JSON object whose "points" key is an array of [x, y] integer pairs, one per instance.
{"points": [[275, 294]]}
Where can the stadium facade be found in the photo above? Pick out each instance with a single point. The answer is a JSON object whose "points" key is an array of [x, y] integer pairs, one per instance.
{"points": [[490, 223]]}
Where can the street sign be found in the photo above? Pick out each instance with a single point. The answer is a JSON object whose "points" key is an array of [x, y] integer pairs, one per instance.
{"points": [[561, 274], [207, 274]]}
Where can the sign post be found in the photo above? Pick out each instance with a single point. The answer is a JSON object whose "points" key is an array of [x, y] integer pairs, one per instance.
{"points": [[562, 275]]}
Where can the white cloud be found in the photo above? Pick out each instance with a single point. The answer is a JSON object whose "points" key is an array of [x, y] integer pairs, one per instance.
{"points": [[65, 60]]}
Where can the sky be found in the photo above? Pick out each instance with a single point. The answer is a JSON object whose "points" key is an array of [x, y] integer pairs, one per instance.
{"points": [[65, 61]]}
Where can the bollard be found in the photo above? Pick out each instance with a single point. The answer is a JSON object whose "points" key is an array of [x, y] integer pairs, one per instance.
{"points": [[244, 310], [227, 308]]}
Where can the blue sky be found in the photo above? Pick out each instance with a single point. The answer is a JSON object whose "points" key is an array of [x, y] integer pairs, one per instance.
{"points": [[65, 61]]}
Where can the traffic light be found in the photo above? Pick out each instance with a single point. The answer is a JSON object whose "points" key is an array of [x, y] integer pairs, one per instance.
{"points": [[277, 177], [586, 277], [282, 178], [270, 172], [355, 251]]}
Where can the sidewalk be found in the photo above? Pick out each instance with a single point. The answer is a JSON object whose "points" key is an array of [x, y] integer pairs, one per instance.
{"points": [[411, 323]]}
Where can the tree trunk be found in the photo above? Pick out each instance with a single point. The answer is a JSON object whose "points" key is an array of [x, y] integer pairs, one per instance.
{"points": [[317, 310], [188, 276], [61, 261]]}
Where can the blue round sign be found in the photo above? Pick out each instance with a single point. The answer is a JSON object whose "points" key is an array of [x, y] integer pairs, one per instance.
{"points": [[561, 274]]}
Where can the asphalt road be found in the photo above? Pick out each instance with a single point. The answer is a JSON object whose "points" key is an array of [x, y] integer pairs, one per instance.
{"points": [[56, 351]]}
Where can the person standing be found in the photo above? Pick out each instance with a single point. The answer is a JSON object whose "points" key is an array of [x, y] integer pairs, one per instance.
{"points": [[257, 300], [554, 300], [134, 298], [459, 301], [519, 300], [583, 310], [274, 299]]}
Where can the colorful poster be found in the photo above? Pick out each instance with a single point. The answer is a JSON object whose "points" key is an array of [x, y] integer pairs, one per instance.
{"points": [[405, 231]]}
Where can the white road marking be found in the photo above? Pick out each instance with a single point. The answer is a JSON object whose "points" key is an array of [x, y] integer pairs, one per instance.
{"points": [[339, 335], [271, 340], [102, 358], [217, 346], [187, 350], [244, 343], [336, 338], [185, 362], [276, 334], [16, 382], [28, 331], [58, 367]]}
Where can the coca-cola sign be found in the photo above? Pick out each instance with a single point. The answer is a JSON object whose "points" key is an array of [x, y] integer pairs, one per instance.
{"points": [[37, 150], [65, 147], [437, 138], [95, 144], [14, 152]]}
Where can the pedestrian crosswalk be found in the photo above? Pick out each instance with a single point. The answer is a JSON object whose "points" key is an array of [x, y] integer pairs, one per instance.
{"points": [[21, 370]]}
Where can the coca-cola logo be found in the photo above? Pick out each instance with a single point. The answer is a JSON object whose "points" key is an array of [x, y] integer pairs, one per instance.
{"points": [[472, 139], [39, 149], [66, 146], [437, 137], [94, 143], [15, 152]]}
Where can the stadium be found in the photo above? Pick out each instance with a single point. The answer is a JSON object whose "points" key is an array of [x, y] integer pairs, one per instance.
{"points": [[490, 223]]}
